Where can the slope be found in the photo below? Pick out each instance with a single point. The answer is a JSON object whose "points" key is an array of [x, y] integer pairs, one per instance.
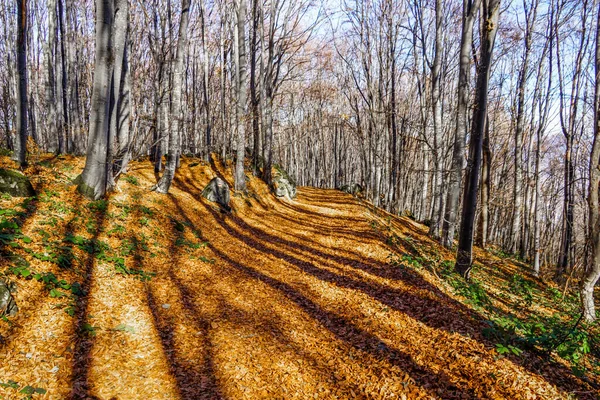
{"points": [[165, 297]]}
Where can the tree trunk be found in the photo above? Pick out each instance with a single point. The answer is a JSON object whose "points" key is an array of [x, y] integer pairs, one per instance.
{"points": [[485, 188], [240, 177], [119, 124], [208, 128], [63, 79], [470, 8], [434, 229], [593, 272], [21, 142], [93, 180], [516, 238], [253, 89], [51, 83], [174, 137], [489, 27]]}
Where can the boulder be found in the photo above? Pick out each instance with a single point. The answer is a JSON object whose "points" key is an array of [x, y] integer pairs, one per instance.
{"points": [[283, 184], [15, 184], [354, 189], [217, 191], [7, 303]]}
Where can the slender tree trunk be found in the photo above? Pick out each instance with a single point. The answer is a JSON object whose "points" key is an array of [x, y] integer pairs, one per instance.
{"points": [[253, 89], [63, 79], [485, 188], [93, 180], [21, 142], [543, 108], [489, 27], [516, 238], [434, 229], [593, 272], [206, 104], [119, 124], [51, 84], [568, 126], [240, 177], [470, 8], [124, 113], [164, 183]]}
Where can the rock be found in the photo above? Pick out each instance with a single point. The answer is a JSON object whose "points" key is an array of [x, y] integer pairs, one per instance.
{"points": [[217, 191], [283, 184], [354, 189], [7, 303], [15, 184]]}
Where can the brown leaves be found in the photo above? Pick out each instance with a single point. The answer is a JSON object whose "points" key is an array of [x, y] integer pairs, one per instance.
{"points": [[285, 300]]}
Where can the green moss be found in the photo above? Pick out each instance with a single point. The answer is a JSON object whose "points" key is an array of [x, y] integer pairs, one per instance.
{"points": [[15, 184], [86, 190], [283, 173]]}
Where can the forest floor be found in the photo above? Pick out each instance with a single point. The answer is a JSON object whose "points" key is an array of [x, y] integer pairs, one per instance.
{"points": [[150, 296]]}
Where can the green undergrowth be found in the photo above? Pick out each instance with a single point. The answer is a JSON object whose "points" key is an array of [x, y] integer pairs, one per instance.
{"points": [[24, 392], [69, 252], [520, 313]]}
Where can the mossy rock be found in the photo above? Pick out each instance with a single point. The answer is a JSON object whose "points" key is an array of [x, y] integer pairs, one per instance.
{"points": [[354, 189], [15, 184], [283, 184], [217, 191], [7, 303]]}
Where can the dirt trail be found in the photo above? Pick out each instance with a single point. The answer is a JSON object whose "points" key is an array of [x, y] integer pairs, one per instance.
{"points": [[277, 300]]}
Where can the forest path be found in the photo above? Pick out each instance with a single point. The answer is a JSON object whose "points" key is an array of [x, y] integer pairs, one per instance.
{"points": [[276, 300]]}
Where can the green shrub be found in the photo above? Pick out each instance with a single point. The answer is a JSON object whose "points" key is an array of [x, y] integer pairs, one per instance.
{"points": [[131, 180]]}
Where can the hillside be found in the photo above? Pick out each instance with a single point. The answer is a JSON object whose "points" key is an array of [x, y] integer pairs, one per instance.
{"points": [[166, 297]]}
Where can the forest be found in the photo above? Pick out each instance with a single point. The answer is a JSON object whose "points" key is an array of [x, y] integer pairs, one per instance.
{"points": [[221, 199]]}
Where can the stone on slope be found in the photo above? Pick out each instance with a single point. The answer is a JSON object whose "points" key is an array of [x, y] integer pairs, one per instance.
{"points": [[217, 191], [354, 189], [15, 184], [283, 184], [7, 303]]}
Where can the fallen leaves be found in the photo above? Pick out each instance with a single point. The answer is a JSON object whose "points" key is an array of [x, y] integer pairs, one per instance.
{"points": [[277, 300]]}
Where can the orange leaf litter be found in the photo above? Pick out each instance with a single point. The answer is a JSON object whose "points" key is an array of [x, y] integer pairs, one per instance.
{"points": [[276, 300]]}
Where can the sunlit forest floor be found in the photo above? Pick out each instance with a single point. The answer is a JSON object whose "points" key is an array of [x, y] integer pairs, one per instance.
{"points": [[150, 296]]}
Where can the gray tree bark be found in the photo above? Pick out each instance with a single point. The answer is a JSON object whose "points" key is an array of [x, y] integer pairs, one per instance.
{"points": [[515, 239], [489, 27], [434, 229], [93, 181], [166, 179], [63, 81], [593, 272], [21, 142], [240, 47], [51, 78], [470, 8], [119, 115]]}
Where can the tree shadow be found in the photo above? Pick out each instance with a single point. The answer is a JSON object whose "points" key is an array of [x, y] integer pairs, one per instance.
{"points": [[193, 381], [84, 342], [30, 204], [455, 317], [346, 331]]}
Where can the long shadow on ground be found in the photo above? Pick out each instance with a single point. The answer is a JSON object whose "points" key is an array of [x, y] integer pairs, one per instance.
{"points": [[348, 332], [454, 318]]}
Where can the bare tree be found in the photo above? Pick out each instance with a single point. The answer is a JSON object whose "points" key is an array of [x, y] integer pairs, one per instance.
{"points": [[488, 29], [111, 27], [470, 8], [240, 61], [164, 183], [21, 142], [593, 271]]}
